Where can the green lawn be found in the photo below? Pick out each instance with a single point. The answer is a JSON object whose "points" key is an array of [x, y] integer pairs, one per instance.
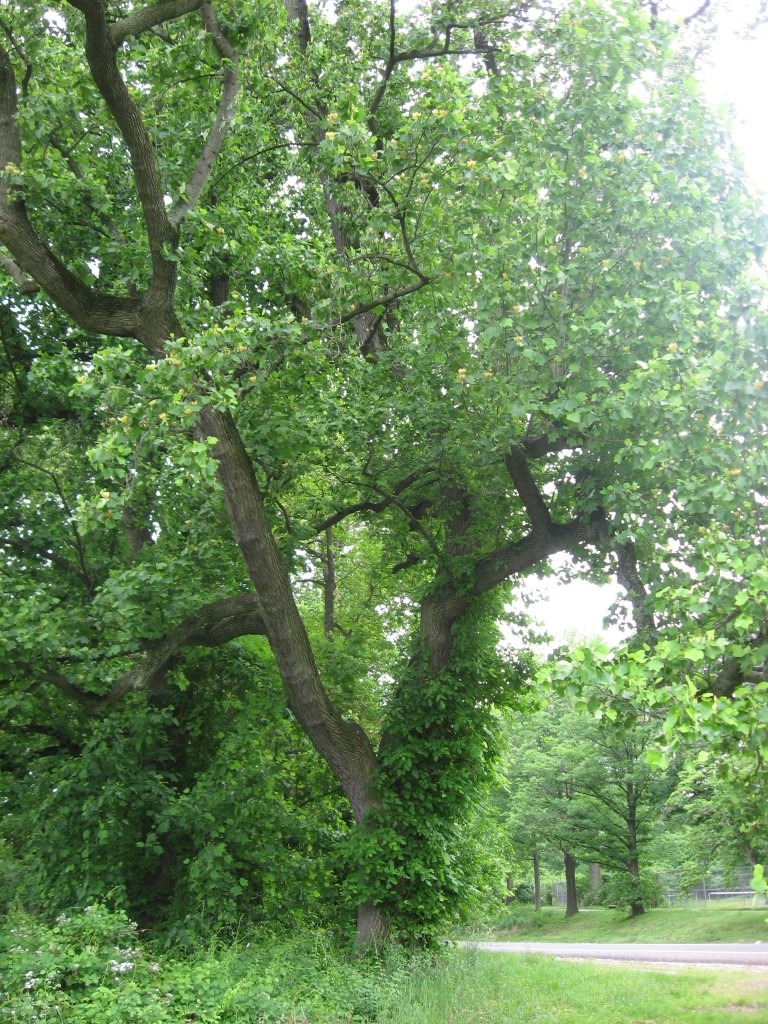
{"points": [[497, 988], [671, 925]]}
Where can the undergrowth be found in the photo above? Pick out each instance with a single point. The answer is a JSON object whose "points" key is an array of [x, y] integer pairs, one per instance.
{"points": [[95, 967]]}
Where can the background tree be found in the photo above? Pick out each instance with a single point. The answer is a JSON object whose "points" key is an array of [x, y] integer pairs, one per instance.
{"points": [[583, 785], [465, 287]]}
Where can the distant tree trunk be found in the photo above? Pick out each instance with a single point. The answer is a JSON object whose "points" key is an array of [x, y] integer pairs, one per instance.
{"points": [[510, 897], [571, 901], [595, 880], [536, 881]]}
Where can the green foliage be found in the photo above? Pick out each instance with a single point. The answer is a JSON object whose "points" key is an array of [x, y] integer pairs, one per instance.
{"points": [[419, 855], [79, 820], [560, 257], [94, 966], [90, 966], [190, 816], [625, 890]]}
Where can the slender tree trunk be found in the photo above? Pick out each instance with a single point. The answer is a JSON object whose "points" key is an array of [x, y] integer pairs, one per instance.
{"points": [[536, 881], [633, 863], [595, 880], [571, 899]]}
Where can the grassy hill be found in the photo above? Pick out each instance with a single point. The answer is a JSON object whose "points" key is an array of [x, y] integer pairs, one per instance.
{"points": [[663, 925]]}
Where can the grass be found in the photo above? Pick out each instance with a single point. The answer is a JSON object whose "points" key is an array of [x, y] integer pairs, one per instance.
{"points": [[663, 925], [493, 988], [67, 972]]}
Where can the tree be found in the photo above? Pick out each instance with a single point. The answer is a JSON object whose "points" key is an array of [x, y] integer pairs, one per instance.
{"points": [[583, 784], [440, 294]]}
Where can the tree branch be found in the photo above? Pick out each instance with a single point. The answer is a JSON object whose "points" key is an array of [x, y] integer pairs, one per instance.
{"points": [[25, 284], [210, 626], [94, 311], [139, 21], [384, 300], [697, 13], [628, 575], [521, 555], [535, 506], [298, 14], [221, 123], [367, 506], [102, 60]]}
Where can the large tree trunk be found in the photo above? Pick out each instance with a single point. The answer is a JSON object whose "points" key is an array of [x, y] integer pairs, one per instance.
{"points": [[372, 925], [571, 898]]}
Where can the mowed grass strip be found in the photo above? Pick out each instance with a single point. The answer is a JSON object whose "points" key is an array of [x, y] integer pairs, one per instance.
{"points": [[473, 987], [664, 925]]}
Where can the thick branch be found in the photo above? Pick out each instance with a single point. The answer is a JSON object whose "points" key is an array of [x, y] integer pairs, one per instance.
{"points": [[343, 744], [102, 60], [94, 311], [156, 14], [298, 14], [628, 576], [535, 506], [25, 284], [697, 13], [439, 611], [521, 555]]}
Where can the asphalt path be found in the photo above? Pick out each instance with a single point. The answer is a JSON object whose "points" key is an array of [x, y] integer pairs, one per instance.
{"points": [[744, 954]]}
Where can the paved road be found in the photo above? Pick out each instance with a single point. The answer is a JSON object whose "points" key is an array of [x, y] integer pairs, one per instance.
{"points": [[745, 954]]}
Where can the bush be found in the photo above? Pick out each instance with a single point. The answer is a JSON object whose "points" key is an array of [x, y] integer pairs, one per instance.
{"points": [[625, 890], [87, 967], [524, 894], [521, 918]]}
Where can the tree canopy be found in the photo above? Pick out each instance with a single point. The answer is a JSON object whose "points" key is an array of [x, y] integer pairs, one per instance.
{"points": [[328, 324]]}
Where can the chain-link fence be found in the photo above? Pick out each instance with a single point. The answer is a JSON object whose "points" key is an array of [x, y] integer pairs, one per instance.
{"points": [[719, 888]]}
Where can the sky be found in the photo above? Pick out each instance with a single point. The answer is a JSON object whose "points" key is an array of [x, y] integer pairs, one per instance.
{"points": [[736, 78]]}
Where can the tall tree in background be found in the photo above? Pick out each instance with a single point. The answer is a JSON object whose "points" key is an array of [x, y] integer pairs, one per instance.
{"points": [[413, 301], [582, 785]]}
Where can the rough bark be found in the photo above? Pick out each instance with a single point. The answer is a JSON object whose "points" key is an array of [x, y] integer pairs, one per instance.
{"points": [[372, 925]]}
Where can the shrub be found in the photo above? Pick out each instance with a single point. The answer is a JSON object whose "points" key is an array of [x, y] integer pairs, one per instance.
{"points": [[87, 967], [625, 890]]}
